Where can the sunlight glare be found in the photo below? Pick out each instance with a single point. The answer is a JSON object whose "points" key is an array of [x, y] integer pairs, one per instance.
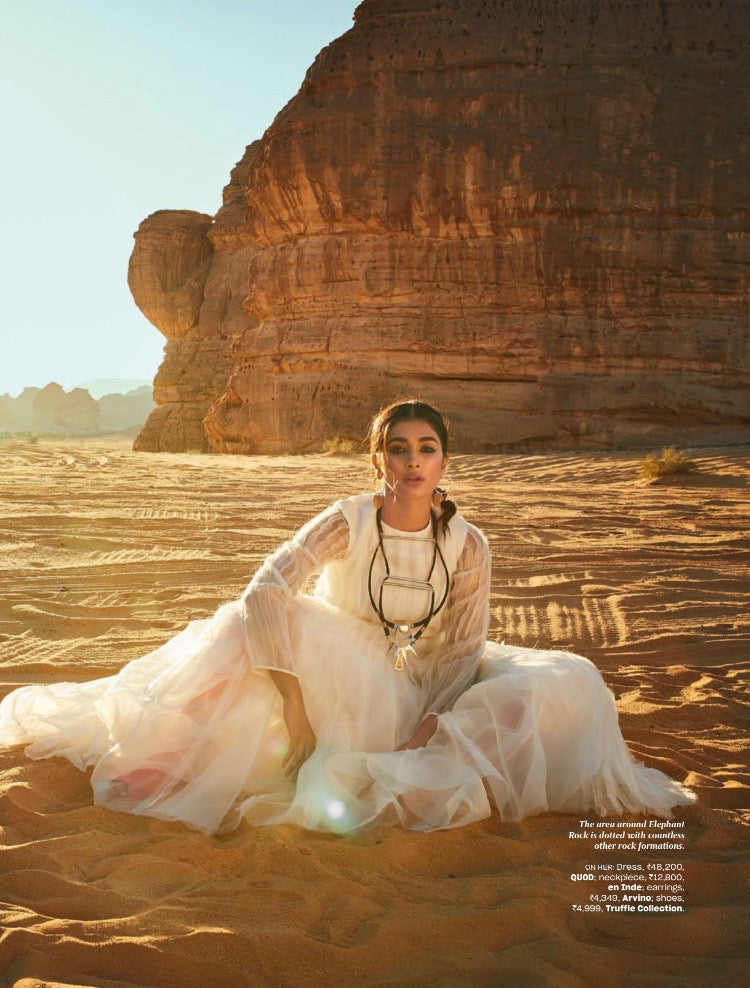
{"points": [[335, 809]]}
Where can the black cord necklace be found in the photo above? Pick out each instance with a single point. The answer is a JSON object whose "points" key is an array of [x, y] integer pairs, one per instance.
{"points": [[403, 635]]}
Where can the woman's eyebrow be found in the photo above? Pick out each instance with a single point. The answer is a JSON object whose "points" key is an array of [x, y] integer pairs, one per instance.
{"points": [[422, 439]]}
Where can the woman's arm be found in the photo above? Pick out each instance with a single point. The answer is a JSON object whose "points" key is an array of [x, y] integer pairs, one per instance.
{"points": [[265, 604], [301, 735], [281, 576], [422, 734]]}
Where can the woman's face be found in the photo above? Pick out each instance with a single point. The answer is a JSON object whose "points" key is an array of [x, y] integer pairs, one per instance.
{"points": [[412, 459]]}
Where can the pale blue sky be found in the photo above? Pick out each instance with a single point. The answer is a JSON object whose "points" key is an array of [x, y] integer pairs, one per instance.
{"points": [[112, 109]]}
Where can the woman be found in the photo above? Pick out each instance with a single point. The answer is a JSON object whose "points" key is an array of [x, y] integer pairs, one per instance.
{"points": [[376, 698]]}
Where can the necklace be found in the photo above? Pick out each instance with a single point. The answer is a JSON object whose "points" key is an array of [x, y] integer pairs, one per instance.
{"points": [[402, 635]]}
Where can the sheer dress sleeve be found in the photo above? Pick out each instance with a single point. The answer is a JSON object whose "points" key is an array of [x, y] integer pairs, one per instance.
{"points": [[283, 574], [458, 649]]}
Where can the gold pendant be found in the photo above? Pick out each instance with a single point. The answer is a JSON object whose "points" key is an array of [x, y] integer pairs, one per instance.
{"points": [[401, 653]]}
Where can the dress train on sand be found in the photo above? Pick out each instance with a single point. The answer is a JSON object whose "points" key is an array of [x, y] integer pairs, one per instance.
{"points": [[194, 730]]}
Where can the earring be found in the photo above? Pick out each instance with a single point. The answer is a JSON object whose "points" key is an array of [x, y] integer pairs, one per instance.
{"points": [[378, 498], [438, 496]]}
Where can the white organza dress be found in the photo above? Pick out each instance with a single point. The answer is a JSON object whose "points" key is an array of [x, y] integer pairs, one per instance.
{"points": [[194, 731]]}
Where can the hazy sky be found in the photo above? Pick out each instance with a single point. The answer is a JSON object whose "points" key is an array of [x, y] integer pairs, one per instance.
{"points": [[112, 109]]}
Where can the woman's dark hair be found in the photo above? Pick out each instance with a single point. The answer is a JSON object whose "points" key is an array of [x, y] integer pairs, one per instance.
{"points": [[408, 409]]}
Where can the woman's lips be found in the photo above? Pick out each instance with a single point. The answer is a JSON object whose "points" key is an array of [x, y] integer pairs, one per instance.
{"points": [[413, 480]]}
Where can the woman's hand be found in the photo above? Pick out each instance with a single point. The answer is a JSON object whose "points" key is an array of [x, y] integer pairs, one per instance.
{"points": [[301, 735], [422, 734]]}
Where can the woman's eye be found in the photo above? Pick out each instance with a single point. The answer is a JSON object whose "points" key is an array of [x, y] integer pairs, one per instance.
{"points": [[402, 450]]}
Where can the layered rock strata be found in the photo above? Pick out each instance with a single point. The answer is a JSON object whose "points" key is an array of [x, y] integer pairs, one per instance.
{"points": [[532, 213], [188, 275]]}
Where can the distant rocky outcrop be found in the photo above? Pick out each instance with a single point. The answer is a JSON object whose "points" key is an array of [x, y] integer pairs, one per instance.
{"points": [[98, 387], [57, 410], [7, 420], [23, 409], [125, 412], [532, 212], [52, 410]]}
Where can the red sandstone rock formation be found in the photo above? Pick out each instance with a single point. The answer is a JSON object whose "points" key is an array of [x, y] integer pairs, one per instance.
{"points": [[533, 213], [188, 274]]}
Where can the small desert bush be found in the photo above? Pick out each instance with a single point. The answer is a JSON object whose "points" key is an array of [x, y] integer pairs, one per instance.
{"points": [[19, 437], [338, 446], [669, 462]]}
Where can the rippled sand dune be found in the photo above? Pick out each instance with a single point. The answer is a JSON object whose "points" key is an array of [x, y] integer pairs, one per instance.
{"points": [[106, 553]]}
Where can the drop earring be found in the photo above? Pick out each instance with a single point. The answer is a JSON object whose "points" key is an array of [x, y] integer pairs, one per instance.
{"points": [[438, 497], [379, 497]]}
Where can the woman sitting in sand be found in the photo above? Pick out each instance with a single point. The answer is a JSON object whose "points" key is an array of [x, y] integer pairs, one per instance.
{"points": [[375, 698]]}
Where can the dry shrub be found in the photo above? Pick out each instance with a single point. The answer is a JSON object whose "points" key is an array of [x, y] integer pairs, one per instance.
{"points": [[32, 438], [337, 446], [668, 463]]}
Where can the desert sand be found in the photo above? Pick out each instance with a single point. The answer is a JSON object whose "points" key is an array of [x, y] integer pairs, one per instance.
{"points": [[106, 553]]}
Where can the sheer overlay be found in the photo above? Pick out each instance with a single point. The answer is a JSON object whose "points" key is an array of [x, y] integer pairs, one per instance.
{"points": [[452, 660], [194, 730], [267, 599]]}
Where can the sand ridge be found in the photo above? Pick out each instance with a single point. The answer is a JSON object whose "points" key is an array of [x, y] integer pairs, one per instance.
{"points": [[107, 553]]}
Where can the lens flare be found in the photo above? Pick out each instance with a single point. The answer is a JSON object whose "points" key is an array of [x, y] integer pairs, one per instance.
{"points": [[335, 809]]}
